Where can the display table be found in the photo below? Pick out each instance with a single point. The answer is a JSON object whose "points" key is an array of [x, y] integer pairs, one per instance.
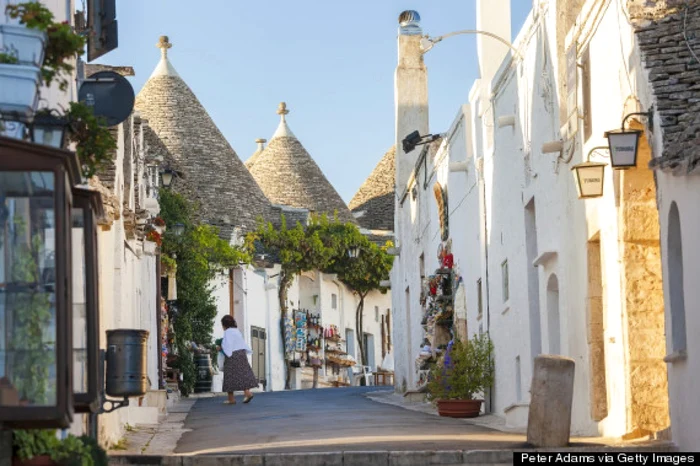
{"points": [[380, 378]]}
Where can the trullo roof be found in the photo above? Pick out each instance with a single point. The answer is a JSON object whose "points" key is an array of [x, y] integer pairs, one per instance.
{"points": [[186, 131], [289, 176], [373, 204]]}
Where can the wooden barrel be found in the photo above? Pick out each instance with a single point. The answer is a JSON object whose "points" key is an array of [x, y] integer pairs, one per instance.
{"points": [[204, 373]]}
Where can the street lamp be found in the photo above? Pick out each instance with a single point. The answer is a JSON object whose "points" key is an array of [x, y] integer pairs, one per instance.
{"points": [[166, 177], [179, 229], [589, 176], [49, 129], [624, 143], [35, 252], [353, 252], [415, 139]]}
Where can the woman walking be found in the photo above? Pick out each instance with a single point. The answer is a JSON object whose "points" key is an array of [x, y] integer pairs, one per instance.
{"points": [[237, 372]]}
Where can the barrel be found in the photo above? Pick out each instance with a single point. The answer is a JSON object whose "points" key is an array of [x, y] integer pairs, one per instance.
{"points": [[204, 373], [126, 363]]}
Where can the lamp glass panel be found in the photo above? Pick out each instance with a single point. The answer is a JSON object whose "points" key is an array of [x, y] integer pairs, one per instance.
{"points": [[590, 180], [48, 136], [623, 148], [28, 351], [167, 178], [80, 323]]}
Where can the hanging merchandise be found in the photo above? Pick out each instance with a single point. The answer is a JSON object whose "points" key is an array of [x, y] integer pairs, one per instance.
{"points": [[289, 335], [300, 325]]}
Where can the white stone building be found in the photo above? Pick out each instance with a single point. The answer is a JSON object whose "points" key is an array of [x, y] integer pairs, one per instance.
{"points": [[541, 270]]}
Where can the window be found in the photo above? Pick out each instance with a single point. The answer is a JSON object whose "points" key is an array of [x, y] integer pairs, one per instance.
{"points": [[479, 299], [504, 280], [334, 301], [421, 266], [376, 313]]}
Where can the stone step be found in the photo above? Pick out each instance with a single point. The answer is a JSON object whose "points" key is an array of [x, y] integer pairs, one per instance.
{"points": [[377, 458]]}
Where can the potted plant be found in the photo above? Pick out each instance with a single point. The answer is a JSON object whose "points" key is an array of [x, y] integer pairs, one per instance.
{"points": [[62, 44], [465, 372], [159, 225], [41, 447]]}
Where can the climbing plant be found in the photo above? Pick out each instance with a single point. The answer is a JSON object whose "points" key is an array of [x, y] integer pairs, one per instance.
{"points": [[200, 254]]}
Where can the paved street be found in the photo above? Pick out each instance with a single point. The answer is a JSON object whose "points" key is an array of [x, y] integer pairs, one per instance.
{"points": [[326, 420]]}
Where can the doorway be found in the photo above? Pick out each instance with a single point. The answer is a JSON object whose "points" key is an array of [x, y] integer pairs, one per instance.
{"points": [[258, 337]]}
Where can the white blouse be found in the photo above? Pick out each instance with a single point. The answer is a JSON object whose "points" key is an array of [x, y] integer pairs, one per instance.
{"points": [[233, 341]]}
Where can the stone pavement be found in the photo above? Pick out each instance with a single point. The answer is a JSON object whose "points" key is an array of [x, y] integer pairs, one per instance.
{"points": [[356, 426]]}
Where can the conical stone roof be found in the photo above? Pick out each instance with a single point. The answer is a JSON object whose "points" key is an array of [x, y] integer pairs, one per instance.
{"points": [[189, 136], [289, 176], [373, 204]]}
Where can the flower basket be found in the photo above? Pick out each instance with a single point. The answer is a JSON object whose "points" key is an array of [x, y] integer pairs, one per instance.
{"points": [[19, 90], [26, 44], [459, 408]]}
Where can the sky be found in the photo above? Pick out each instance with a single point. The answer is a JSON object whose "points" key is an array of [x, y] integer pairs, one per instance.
{"points": [[332, 63]]}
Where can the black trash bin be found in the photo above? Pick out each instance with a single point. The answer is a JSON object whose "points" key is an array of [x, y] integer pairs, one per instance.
{"points": [[204, 373], [126, 363]]}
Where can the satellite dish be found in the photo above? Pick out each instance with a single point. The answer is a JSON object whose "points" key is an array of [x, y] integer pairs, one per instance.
{"points": [[109, 94]]}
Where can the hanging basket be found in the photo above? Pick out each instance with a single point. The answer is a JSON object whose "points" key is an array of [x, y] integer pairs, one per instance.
{"points": [[26, 44], [19, 90]]}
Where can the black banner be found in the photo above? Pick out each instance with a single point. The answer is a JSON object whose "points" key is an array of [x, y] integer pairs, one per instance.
{"points": [[630, 458]]}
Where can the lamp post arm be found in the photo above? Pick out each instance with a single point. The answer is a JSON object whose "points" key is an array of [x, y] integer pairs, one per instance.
{"points": [[649, 114], [435, 40], [588, 157]]}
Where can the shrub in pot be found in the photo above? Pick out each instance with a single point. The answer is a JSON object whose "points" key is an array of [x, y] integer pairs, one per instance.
{"points": [[465, 372], [41, 447]]}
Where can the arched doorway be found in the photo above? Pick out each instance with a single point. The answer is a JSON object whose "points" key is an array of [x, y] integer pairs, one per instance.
{"points": [[553, 320]]}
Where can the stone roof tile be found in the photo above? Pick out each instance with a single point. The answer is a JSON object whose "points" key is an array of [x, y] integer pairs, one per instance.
{"points": [[188, 136], [289, 176], [373, 204]]}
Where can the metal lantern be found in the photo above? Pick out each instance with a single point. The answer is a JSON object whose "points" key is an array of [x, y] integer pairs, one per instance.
{"points": [[49, 130], [589, 179], [166, 177], [87, 208], [36, 347], [353, 252], [623, 147], [178, 229]]}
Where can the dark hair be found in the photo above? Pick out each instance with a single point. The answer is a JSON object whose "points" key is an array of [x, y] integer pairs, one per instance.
{"points": [[228, 322]]}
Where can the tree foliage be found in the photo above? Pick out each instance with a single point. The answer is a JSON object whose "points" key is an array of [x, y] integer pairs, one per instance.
{"points": [[200, 254], [323, 245]]}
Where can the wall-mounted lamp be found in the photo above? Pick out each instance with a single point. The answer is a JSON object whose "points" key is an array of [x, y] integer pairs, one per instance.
{"points": [[415, 139], [506, 120], [589, 176], [552, 146], [624, 143]]}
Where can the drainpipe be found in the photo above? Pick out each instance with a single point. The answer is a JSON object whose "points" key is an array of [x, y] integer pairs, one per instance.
{"points": [[268, 340]]}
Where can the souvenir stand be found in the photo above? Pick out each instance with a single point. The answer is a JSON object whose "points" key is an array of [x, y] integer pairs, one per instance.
{"points": [[336, 357], [437, 301]]}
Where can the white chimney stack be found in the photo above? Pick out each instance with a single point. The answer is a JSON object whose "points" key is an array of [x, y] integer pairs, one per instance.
{"points": [[492, 16], [410, 94], [261, 144]]}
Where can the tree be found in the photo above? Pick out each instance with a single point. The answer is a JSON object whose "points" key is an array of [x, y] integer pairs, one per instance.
{"points": [[200, 254], [297, 250], [363, 274], [323, 245]]}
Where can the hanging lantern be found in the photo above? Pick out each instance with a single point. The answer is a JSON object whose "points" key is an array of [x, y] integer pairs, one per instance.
{"points": [[623, 147], [589, 179], [36, 348], [87, 209]]}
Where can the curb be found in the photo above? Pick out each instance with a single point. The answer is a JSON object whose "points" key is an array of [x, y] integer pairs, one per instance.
{"points": [[373, 458]]}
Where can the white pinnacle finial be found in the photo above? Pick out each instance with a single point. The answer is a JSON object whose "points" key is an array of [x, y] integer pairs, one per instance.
{"points": [[283, 130], [164, 68]]}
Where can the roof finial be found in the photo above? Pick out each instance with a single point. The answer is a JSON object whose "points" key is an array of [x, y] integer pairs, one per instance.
{"points": [[282, 109], [164, 44]]}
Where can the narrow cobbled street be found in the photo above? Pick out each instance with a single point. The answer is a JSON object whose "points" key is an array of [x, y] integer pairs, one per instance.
{"points": [[327, 420]]}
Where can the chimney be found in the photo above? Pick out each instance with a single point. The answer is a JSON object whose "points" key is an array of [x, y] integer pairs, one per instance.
{"points": [[261, 144], [492, 16], [410, 94]]}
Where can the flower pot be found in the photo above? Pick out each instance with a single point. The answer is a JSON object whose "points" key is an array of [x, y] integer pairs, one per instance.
{"points": [[19, 90], [24, 43], [43, 460], [459, 408]]}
